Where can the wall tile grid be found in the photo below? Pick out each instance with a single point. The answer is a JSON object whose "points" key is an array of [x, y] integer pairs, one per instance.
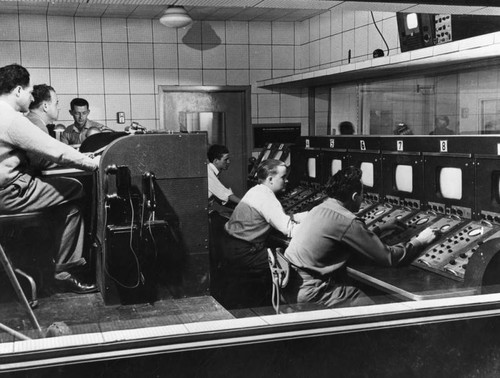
{"points": [[326, 40], [118, 64]]}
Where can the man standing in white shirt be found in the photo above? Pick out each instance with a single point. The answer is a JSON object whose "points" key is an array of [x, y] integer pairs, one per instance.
{"points": [[218, 157]]}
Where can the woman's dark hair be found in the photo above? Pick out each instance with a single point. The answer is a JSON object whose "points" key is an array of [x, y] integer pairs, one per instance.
{"points": [[344, 183], [268, 168], [11, 76]]}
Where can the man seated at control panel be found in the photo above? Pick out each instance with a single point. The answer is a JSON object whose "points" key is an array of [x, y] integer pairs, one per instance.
{"points": [[22, 192], [329, 235], [218, 157], [78, 131], [258, 212], [44, 109]]}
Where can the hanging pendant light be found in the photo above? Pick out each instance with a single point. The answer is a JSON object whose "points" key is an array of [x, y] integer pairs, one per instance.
{"points": [[176, 17]]}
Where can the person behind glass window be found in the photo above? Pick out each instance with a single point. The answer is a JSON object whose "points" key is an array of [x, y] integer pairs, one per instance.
{"points": [[218, 157], [346, 128], [329, 235], [77, 132], [441, 126], [402, 129], [22, 192]]}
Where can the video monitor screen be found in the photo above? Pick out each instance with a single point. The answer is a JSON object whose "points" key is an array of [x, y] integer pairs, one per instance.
{"points": [[336, 166], [450, 183], [403, 178], [367, 177], [311, 167]]}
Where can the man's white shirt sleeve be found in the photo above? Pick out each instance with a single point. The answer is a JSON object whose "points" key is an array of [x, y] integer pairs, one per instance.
{"points": [[215, 187]]}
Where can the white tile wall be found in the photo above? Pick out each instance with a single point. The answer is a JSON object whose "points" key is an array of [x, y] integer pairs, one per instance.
{"points": [[190, 77], [281, 33], [62, 54], [89, 55], [32, 27], [214, 77], [190, 56], [115, 55], [61, 28], [116, 80], [34, 54], [139, 30], [119, 63], [87, 29], [9, 30], [260, 56], [89, 81], [260, 33], [11, 52], [140, 55], [142, 81], [283, 57], [114, 30], [237, 32], [165, 55], [238, 77], [214, 56], [65, 80]]}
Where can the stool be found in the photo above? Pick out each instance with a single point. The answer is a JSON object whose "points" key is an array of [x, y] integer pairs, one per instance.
{"points": [[11, 220]]}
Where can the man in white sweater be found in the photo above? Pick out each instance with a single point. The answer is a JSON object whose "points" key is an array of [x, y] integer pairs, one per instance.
{"points": [[21, 192]]}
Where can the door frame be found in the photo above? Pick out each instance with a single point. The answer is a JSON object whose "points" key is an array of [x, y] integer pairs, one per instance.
{"points": [[245, 90]]}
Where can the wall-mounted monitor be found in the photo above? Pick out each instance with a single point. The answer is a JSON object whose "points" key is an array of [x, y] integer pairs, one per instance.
{"points": [[415, 30]]}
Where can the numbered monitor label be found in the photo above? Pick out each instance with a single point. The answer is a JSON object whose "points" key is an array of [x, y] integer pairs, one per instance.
{"points": [[362, 145], [332, 143], [308, 143], [443, 146], [400, 145]]}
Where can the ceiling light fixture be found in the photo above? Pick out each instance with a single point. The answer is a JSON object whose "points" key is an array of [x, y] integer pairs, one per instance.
{"points": [[176, 17]]}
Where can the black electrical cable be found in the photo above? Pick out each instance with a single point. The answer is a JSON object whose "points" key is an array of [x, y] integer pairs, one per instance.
{"points": [[379, 32]]}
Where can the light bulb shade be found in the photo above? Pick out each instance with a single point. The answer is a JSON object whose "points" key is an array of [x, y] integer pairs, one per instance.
{"points": [[176, 17]]}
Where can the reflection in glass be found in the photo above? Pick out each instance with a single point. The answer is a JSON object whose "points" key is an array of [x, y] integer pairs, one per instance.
{"points": [[211, 122]]}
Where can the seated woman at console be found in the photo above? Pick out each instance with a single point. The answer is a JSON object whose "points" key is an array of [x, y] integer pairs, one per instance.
{"points": [[329, 235]]}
